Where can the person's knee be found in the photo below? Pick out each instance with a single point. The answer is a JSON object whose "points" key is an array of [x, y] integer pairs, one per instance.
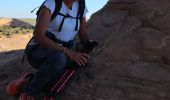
{"points": [[57, 60], [61, 61]]}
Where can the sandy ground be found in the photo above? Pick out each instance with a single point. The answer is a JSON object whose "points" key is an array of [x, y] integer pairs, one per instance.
{"points": [[5, 21], [14, 42]]}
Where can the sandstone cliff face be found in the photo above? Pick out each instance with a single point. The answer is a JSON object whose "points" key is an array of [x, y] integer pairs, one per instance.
{"points": [[132, 61]]}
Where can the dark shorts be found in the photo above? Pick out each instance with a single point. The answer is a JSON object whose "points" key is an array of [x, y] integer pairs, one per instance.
{"points": [[36, 55]]}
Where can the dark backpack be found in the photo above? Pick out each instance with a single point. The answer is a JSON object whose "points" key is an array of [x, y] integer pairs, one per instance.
{"points": [[58, 4]]}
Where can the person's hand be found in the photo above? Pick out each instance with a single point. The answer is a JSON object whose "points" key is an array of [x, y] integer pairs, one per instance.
{"points": [[88, 46], [79, 58]]}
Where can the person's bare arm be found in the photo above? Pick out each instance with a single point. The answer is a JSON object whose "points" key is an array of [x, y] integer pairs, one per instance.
{"points": [[83, 33], [40, 29]]}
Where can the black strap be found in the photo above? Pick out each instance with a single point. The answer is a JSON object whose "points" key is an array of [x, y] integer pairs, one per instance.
{"points": [[80, 12], [82, 8], [58, 4], [67, 16], [23, 58], [76, 27], [79, 16], [51, 36]]}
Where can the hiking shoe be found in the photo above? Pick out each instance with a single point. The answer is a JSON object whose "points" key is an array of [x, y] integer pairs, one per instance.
{"points": [[15, 86]]}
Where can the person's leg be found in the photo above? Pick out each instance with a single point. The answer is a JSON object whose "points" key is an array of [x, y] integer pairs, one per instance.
{"points": [[52, 67]]}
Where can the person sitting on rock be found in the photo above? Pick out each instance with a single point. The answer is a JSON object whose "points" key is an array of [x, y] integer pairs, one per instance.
{"points": [[52, 43]]}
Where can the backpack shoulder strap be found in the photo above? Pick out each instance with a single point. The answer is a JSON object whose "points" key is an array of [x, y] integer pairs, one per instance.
{"points": [[38, 12], [58, 4], [80, 12], [81, 9]]}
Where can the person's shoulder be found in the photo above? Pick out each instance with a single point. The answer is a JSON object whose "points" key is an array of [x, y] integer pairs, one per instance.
{"points": [[50, 4]]}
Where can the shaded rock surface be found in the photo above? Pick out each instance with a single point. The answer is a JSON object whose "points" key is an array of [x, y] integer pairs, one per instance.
{"points": [[132, 61]]}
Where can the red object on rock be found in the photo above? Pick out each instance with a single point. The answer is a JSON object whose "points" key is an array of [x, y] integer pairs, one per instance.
{"points": [[14, 87]]}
